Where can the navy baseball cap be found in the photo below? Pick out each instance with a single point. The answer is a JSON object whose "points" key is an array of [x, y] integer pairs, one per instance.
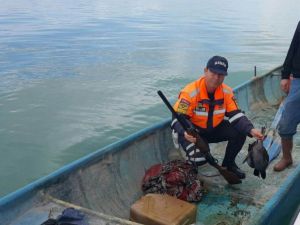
{"points": [[218, 64]]}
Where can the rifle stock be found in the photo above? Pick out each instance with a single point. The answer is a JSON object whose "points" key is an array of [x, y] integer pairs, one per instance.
{"points": [[202, 145]]}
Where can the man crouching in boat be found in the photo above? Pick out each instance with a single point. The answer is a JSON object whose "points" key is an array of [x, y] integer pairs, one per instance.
{"points": [[204, 103]]}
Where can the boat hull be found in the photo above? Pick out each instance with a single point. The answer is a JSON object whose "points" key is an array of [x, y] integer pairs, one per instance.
{"points": [[106, 183]]}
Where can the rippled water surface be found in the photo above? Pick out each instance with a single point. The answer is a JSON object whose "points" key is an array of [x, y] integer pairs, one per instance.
{"points": [[77, 75]]}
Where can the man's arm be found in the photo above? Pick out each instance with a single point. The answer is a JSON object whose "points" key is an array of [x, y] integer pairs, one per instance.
{"points": [[238, 119], [240, 122], [287, 65], [183, 108]]}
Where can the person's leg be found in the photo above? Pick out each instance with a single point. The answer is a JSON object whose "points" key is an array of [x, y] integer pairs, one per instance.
{"points": [[286, 160], [236, 140], [193, 154], [288, 125]]}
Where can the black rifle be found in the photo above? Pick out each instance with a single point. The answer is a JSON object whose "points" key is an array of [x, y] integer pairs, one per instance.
{"points": [[202, 145]]}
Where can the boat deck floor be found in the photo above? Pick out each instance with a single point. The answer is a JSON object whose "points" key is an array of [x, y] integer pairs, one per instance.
{"points": [[239, 204], [50, 207]]}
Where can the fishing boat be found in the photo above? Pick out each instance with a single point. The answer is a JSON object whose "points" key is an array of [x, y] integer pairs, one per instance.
{"points": [[105, 183]]}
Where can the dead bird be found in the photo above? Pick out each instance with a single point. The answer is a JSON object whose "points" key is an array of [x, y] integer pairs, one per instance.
{"points": [[258, 157]]}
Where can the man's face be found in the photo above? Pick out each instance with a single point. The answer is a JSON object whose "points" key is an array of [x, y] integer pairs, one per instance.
{"points": [[213, 80]]}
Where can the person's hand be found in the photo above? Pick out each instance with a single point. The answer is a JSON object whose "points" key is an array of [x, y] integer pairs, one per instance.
{"points": [[285, 85], [190, 138], [257, 134]]}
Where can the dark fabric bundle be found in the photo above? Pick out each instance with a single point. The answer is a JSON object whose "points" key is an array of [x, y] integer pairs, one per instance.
{"points": [[176, 178], [69, 216]]}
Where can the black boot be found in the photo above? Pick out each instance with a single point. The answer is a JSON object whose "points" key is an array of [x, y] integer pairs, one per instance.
{"points": [[235, 169]]}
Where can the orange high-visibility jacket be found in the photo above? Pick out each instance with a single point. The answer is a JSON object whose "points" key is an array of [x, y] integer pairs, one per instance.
{"points": [[194, 102]]}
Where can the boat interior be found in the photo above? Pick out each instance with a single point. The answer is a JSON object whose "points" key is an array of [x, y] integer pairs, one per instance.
{"points": [[106, 183]]}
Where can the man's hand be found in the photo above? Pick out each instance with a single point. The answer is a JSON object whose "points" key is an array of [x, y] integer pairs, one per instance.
{"points": [[257, 134], [285, 85], [190, 138]]}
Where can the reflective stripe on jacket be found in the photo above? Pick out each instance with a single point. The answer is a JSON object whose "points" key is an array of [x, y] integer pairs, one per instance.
{"points": [[204, 112]]}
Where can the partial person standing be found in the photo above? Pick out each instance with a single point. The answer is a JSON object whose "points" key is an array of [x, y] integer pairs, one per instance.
{"points": [[290, 83], [204, 104]]}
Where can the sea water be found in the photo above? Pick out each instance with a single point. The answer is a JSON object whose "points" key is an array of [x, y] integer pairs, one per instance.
{"points": [[78, 75]]}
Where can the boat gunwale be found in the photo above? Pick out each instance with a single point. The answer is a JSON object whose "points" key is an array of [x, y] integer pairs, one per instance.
{"points": [[81, 162], [240, 86], [268, 210]]}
